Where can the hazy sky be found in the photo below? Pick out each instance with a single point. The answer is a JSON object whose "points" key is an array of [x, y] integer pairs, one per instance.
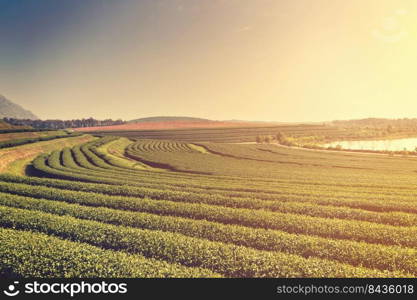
{"points": [[281, 60]]}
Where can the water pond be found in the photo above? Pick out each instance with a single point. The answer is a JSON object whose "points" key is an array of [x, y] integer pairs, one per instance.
{"points": [[408, 144]]}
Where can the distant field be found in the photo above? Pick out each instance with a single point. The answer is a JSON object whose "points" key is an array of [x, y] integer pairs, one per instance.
{"points": [[231, 135], [171, 125], [163, 208]]}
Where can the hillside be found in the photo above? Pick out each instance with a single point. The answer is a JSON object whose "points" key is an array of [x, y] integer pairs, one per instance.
{"points": [[4, 125], [12, 110]]}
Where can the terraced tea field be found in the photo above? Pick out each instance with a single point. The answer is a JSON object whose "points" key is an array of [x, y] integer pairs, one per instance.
{"points": [[29, 134], [229, 134], [114, 207], [14, 159]]}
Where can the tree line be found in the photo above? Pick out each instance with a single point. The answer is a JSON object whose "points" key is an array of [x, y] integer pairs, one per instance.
{"points": [[61, 124], [279, 138]]}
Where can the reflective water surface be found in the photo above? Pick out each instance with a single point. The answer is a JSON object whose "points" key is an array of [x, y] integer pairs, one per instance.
{"points": [[409, 144]]}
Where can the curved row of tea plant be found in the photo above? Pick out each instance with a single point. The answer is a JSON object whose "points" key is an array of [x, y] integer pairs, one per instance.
{"points": [[390, 218], [229, 260], [160, 145], [354, 253], [241, 200], [293, 223], [31, 254], [236, 199], [289, 223]]}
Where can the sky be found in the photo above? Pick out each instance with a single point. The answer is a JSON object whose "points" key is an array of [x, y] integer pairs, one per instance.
{"points": [[266, 60]]}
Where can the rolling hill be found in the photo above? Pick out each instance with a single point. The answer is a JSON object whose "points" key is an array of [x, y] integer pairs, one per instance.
{"points": [[173, 122]]}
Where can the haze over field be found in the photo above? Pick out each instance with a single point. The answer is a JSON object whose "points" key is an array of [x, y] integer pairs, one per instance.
{"points": [[208, 138], [302, 60]]}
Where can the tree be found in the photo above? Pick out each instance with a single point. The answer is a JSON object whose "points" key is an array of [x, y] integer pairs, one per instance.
{"points": [[268, 139], [259, 139], [280, 137]]}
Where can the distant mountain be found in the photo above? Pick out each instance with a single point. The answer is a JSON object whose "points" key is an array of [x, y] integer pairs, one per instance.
{"points": [[8, 109], [168, 119]]}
